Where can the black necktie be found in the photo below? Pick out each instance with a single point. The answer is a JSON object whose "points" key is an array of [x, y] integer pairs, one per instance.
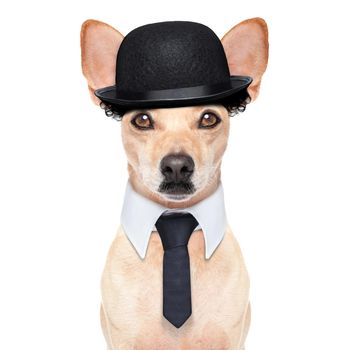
{"points": [[175, 231]]}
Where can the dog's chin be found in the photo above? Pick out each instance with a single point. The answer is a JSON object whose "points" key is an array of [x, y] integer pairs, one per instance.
{"points": [[176, 197], [176, 191]]}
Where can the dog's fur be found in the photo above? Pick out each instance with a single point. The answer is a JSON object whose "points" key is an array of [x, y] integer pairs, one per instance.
{"points": [[131, 310]]}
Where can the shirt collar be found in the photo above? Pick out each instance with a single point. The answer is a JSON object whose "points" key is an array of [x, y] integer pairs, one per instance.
{"points": [[139, 214]]}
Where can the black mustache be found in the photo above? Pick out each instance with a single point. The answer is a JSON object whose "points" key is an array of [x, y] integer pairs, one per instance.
{"points": [[182, 187]]}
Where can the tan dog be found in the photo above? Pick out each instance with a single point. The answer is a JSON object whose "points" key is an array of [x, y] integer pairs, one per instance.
{"points": [[131, 313]]}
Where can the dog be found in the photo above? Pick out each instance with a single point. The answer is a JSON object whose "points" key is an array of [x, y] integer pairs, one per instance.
{"points": [[131, 309]]}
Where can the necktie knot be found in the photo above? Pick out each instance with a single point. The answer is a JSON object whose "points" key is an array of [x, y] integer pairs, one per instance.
{"points": [[175, 229]]}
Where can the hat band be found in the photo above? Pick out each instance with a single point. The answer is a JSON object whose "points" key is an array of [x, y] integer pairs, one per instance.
{"points": [[178, 93]]}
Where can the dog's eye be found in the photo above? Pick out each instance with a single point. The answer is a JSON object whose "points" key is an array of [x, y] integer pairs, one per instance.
{"points": [[209, 120], [142, 121]]}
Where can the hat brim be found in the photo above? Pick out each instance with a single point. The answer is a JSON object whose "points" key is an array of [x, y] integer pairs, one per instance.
{"points": [[173, 97]]}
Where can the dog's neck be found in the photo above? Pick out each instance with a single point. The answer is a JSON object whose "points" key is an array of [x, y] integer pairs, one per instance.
{"points": [[197, 197]]}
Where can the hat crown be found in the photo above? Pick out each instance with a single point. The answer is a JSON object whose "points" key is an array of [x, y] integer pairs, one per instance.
{"points": [[170, 55]]}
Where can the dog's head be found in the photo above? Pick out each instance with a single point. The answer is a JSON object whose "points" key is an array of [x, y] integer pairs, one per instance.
{"points": [[174, 154]]}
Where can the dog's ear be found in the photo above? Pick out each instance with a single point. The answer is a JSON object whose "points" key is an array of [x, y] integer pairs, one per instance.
{"points": [[247, 48], [99, 44]]}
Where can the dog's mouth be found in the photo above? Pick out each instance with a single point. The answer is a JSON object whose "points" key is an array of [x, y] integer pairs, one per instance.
{"points": [[177, 190]]}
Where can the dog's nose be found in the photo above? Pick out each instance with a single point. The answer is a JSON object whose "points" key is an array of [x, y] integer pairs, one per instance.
{"points": [[177, 167]]}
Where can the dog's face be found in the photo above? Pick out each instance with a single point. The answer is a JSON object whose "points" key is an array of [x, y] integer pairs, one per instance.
{"points": [[175, 153]]}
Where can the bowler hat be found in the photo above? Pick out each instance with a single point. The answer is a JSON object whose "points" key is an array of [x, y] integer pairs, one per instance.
{"points": [[170, 64]]}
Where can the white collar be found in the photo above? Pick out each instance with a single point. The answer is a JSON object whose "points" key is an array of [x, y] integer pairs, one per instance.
{"points": [[139, 214]]}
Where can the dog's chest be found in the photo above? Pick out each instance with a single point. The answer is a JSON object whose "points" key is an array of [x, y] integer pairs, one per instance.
{"points": [[132, 296]]}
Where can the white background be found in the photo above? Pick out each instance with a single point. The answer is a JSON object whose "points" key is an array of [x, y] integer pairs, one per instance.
{"points": [[63, 173]]}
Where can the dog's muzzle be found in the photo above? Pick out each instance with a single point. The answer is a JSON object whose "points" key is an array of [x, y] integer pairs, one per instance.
{"points": [[177, 170]]}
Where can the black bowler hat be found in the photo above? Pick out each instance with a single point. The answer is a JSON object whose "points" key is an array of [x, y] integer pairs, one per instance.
{"points": [[170, 64]]}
